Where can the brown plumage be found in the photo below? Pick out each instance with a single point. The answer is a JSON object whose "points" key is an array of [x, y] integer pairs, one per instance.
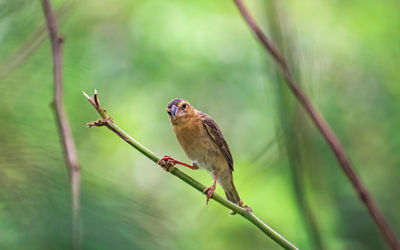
{"points": [[203, 142]]}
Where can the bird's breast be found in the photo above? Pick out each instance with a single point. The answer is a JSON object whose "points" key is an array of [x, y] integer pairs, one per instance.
{"points": [[197, 144]]}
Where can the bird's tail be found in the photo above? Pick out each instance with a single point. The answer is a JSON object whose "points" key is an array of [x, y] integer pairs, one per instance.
{"points": [[232, 194]]}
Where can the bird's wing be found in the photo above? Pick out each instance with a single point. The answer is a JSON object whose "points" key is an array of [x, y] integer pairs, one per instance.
{"points": [[216, 135]]}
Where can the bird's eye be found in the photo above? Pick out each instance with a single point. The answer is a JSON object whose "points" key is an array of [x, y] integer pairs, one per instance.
{"points": [[169, 113], [184, 105]]}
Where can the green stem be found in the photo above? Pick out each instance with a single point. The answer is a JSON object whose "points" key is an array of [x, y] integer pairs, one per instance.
{"points": [[250, 216]]}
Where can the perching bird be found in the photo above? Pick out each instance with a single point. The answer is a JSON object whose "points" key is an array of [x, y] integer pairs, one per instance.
{"points": [[203, 142]]}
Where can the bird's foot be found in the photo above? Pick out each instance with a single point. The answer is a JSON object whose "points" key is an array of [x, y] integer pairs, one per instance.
{"points": [[242, 205], [167, 161], [248, 209], [210, 192]]}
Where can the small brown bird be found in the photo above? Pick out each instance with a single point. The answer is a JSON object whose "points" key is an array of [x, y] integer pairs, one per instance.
{"points": [[203, 142]]}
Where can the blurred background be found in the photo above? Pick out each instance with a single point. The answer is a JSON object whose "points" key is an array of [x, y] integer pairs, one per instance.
{"points": [[141, 54]]}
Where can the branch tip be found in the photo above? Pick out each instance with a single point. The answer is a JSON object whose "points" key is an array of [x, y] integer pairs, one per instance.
{"points": [[86, 95], [96, 98]]}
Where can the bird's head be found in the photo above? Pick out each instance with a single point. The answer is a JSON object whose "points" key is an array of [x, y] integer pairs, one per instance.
{"points": [[180, 111]]}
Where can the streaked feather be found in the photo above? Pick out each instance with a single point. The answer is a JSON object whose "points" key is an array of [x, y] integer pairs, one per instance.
{"points": [[216, 135]]}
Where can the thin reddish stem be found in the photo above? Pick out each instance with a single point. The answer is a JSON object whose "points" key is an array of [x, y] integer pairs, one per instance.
{"points": [[71, 156], [324, 128]]}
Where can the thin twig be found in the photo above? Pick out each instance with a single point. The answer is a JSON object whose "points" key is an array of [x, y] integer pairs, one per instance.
{"points": [[324, 128], [250, 216], [71, 156]]}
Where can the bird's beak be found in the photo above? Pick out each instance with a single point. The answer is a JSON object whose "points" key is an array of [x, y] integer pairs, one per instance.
{"points": [[174, 110]]}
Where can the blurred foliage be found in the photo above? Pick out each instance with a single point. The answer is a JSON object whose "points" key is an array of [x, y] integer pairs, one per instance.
{"points": [[142, 54]]}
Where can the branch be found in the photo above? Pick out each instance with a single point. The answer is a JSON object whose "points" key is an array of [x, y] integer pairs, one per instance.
{"points": [[250, 216], [324, 128], [71, 157]]}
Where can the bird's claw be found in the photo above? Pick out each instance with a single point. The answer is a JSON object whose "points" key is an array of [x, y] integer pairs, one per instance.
{"points": [[210, 192], [166, 162], [242, 205], [248, 209]]}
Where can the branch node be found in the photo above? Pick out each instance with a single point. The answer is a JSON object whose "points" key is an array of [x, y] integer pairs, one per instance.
{"points": [[99, 123], [61, 39], [76, 168], [96, 104]]}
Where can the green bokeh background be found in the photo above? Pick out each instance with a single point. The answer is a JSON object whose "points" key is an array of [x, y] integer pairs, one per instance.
{"points": [[141, 54]]}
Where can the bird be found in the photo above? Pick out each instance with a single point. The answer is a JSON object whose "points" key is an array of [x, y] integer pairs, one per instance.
{"points": [[203, 142]]}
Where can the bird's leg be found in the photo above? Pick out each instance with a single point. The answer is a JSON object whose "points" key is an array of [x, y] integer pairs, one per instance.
{"points": [[210, 190], [167, 160]]}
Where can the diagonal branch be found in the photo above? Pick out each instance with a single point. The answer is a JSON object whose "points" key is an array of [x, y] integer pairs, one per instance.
{"points": [[71, 157], [324, 128], [248, 215]]}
